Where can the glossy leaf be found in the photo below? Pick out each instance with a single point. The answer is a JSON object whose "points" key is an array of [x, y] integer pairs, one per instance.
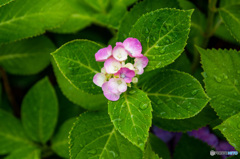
{"points": [[40, 111], [222, 80], [159, 147], [149, 153], [25, 153], [231, 17], [222, 32], [182, 63], [67, 109], [86, 12], [99, 5], [27, 18], [174, 94], [230, 128], [163, 34], [12, 135], [93, 135], [202, 119], [224, 3], [138, 10], [60, 140], [76, 95], [198, 26], [132, 116], [26, 57], [76, 61], [4, 2], [189, 147]]}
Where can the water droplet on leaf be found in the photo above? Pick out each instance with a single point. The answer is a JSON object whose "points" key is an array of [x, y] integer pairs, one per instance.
{"points": [[194, 92], [132, 92], [218, 79], [143, 106], [92, 152], [225, 76]]}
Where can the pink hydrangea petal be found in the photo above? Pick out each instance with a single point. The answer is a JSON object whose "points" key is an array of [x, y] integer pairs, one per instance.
{"points": [[129, 65], [126, 74], [119, 44], [113, 86], [140, 70], [141, 61], [112, 66], [103, 54], [123, 86], [119, 53], [133, 46], [99, 79], [108, 94]]}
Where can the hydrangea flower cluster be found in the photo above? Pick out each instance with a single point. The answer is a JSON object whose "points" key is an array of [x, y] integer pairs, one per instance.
{"points": [[117, 75]]}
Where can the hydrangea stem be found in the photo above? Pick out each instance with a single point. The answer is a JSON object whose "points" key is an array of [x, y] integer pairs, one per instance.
{"points": [[9, 92]]}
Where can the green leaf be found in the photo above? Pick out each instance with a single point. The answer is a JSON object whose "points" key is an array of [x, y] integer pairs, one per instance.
{"points": [[174, 94], [26, 57], [222, 77], [159, 147], [0, 92], [67, 109], [138, 10], [83, 13], [198, 26], [223, 33], [99, 5], [76, 61], [149, 153], [224, 3], [4, 2], [230, 128], [189, 147], [25, 18], [12, 135], [25, 153], [182, 63], [114, 16], [76, 95], [231, 17], [60, 140], [163, 34], [80, 17], [132, 116], [94, 136], [40, 111], [203, 118]]}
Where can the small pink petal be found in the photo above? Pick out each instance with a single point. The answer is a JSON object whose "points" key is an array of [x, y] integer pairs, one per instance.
{"points": [[141, 60], [129, 65], [99, 79], [112, 66], [133, 46], [108, 94], [126, 74], [119, 53], [119, 44], [117, 85], [103, 54], [140, 70], [140, 64]]}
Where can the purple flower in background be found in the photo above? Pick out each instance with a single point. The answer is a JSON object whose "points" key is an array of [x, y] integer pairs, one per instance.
{"points": [[224, 146], [205, 135], [164, 135]]}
